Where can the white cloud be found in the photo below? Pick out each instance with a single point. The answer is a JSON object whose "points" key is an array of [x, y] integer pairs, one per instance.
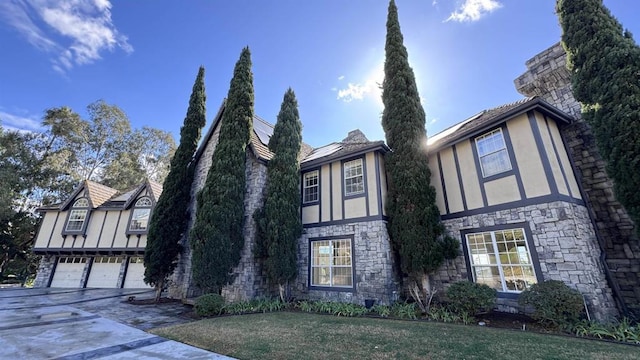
{"points": [[83, 29], [370, 87], [18, 122], [341, 77], [473, 10]]}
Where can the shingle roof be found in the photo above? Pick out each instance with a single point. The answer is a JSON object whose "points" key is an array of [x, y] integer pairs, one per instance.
{"points": [[355, 142], [259, 144], [491, 117], [98, 194]]}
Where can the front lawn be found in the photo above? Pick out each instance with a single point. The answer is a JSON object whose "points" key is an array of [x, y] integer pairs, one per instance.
{"points": [[288, 335]]}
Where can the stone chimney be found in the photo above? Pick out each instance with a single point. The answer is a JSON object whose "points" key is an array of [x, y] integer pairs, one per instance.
{"points": [[547, 76]]}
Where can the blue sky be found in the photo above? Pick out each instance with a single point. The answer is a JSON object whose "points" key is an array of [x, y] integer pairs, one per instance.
{"points": [[143, 56]]}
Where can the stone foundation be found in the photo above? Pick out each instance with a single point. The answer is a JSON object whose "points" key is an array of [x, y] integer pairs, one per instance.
{"points": [[373, 261], [565, 244]]}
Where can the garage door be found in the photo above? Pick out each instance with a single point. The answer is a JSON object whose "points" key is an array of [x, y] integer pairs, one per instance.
{"points": [[105, 271], [135, 274], [69, 272]]}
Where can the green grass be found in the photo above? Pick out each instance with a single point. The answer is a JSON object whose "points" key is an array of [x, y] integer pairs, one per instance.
{"points": [[286, 335]]}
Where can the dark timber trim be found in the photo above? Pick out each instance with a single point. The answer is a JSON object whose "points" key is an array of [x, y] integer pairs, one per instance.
{"points": [[443, 184], [460, 183], [542, 152]]}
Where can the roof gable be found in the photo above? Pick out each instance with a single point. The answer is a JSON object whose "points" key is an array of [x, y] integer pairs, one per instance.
{"points": [[97, 194]]}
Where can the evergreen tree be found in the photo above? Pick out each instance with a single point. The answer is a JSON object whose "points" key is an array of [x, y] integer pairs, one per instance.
{"points": [[217, 235], [414, 220], [279, 221], [171, 214], [604, 62]]}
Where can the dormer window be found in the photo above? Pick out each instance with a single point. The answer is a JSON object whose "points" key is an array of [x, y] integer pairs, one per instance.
{"points": [[492, 152], [77, 216], [140, 215]]}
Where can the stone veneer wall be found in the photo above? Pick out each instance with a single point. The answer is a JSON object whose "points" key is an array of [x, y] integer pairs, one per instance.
{"points": [[45, 268], [248, 283], [564, 241], [373, 261], [548, 77]]}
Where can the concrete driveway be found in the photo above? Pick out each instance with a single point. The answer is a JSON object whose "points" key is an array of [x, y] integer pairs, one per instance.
{"points": [[88, 324]]}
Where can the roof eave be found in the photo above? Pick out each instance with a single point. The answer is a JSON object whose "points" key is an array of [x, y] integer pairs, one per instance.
{"points": [[378, 146], [535, 104]]}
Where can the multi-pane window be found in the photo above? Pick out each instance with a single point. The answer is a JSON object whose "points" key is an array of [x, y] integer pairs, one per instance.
{"points": [[78, 215], [493, 154], [331, 263], [310, 187], [72, 260], [353, 177], [140, 215], [501, 259]]}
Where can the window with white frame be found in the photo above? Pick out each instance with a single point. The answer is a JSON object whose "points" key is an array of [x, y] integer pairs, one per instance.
{"points": [[310, 187], [492, 152], [501, 259], [78, 215], [353, 177], [331, 263], [140, 215]]}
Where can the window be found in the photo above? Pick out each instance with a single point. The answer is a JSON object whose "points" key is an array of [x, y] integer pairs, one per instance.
{"points": [[331, 263], [492, 151], [140, 215], [72, 260], [353, 177], [501, 259], [77, 215], [310, 187]]}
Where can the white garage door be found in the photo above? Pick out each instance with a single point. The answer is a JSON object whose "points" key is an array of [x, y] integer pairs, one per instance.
{"points": [[135, 274], [69, 272], [105, 271]]}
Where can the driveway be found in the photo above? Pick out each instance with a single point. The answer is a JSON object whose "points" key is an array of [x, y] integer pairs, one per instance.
{"points": [[51, 323]]}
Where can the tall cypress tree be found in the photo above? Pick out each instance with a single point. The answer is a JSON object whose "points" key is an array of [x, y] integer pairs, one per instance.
{"points": [[171, 214], [280, 218], [217, 235], [604, 62], [414, 220]]}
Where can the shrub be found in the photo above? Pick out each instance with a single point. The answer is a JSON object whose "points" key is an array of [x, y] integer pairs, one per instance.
{"points": [[470, 298], [404, 311], [209, 304], [381, 310], [554, 303]]}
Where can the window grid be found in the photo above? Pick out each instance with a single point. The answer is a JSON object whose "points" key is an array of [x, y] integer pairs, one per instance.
{"points": [[492, 153], [140, 216], [311, 187], [331, 263], [501, 259], [353, 177]]}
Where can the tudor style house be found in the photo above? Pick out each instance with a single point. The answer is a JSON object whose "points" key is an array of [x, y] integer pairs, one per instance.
{"points": [[508, 188], [96, 238]]}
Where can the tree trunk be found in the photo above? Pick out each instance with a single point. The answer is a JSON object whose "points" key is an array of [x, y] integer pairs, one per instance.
{"points": [[159, 286]]}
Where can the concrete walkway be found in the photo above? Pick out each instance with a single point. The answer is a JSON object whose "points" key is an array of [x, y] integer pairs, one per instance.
{"points": [[88, 324]]}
